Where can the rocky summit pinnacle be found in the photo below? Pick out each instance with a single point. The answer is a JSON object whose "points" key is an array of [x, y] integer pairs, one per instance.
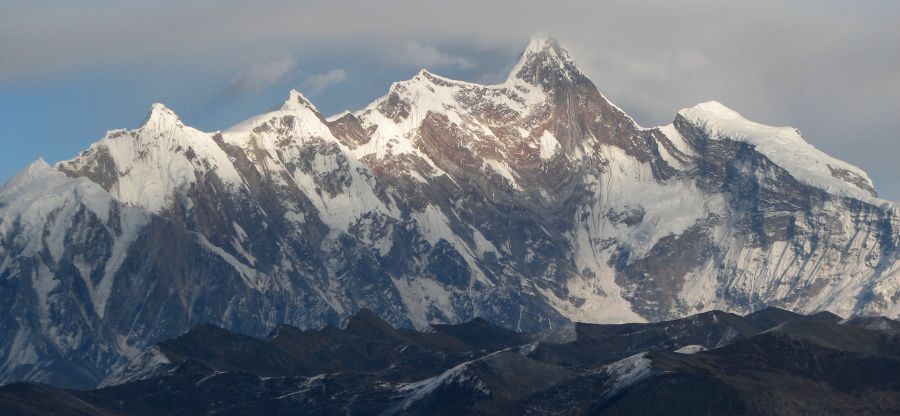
{"points": [[296, 100], [530, 203], [161, 117], [545, 62]]}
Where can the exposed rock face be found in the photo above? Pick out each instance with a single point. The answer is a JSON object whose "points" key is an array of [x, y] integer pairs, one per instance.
{"points": [[530, 203]]}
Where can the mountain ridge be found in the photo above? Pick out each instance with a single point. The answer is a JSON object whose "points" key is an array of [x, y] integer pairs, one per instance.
{"points": [[531, 202]]}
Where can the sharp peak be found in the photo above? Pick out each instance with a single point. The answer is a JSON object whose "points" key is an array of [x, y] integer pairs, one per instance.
{"points": [[543, 51], [428, 76], [544, 60], [159, 116], [296, 100], [543, 42]]}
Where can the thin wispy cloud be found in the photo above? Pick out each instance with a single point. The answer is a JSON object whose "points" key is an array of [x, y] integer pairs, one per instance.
{"points": [[315, 84], [417, 55], [263, 75]]}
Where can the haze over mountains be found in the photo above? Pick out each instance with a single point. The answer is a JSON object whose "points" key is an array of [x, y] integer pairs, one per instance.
{"points": [[529, 203]]}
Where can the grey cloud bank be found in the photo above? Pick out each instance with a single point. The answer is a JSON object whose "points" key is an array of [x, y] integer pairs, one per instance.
{"points": [[830, 68]]}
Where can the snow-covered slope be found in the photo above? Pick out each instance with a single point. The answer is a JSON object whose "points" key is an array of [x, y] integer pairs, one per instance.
{"points": [[148, 166], [530, 202], [786, 148]]}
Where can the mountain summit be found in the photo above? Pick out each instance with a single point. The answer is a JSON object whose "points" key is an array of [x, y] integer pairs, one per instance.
{"points": [[545, 62], [530, 203], [161, 117]]}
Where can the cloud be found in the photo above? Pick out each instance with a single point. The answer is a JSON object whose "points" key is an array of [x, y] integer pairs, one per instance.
{"points": [[420, 56], [262, 75], [317, 83], [827, 67]]}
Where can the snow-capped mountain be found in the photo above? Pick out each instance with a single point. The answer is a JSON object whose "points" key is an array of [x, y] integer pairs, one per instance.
{"points": [[531, 202]]}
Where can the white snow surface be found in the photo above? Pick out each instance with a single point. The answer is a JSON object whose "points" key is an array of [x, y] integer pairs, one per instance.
{"points": [[147, 364], [308, 122], [307, 127], [690, 349], [158, 160], [46, 203], [548, 145], [782, 145], [155, 164], [627, 372], [457, 375]]}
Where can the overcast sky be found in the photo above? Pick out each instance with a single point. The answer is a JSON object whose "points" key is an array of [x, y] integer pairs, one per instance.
{"points": [[71, 70]]}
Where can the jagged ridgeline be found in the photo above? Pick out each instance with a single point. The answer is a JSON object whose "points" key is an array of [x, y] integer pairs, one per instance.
{"points": [[529, 203]]}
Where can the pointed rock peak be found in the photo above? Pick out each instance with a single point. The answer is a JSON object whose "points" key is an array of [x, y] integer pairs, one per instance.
{"points": [[368, 324], [161, 117], [426, 75], [544, 61], [423, 76], [297, 101], [545, 44]]}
